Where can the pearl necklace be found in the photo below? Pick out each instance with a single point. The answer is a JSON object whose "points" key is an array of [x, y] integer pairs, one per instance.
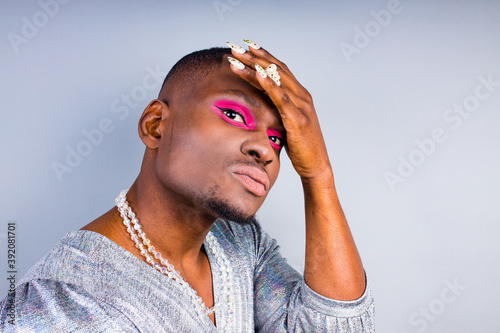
{"points": [[155, 259]]}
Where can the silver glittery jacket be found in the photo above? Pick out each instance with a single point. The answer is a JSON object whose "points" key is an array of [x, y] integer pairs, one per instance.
{"points": [[87, 283]]}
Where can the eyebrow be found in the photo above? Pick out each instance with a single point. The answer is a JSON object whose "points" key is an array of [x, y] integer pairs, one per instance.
{"points": [[235, 92]]}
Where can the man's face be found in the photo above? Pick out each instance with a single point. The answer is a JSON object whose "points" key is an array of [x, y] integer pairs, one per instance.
{"points": [[221, 151]]}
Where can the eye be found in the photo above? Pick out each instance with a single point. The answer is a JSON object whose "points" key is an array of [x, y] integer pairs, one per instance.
{"points": [[233, 115], [276, 140]]}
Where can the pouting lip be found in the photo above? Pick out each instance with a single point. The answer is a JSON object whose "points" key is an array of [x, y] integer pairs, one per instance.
{"points": [[255, 173]]}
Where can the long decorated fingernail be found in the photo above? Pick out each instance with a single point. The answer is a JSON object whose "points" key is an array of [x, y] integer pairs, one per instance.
{"points": [[274, 76], [272, 72], [236, 48], [251, 44], [236, 63], [272, 68], [260, 70]]}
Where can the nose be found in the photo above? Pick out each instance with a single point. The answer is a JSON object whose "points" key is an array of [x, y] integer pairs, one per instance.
{"points": [[257, 145]]}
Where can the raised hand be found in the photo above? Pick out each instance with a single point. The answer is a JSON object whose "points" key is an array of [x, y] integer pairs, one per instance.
{"points": [[333, 267], [305, 144]]}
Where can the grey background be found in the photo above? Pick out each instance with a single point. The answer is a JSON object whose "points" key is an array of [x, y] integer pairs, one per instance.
{"points": [[436, 229]]}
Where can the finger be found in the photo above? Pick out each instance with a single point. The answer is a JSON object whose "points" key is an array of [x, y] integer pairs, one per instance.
{"points": [[246, 73], [276, 73], [299, 96], [283, 98], [257, 55], [251, 76], [263, 53]]}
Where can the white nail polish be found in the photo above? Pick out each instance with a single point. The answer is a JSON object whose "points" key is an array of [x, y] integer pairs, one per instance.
{"points": [[251, 44], [261, 71], [236, 48], [272, 73], [274, 76], [236, 63], [272, 68]]}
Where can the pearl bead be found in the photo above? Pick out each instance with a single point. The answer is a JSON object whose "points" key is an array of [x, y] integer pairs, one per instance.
{"points": [[169, 270]]}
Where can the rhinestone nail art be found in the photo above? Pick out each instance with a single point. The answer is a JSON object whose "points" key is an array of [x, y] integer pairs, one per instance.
{"points": [[272, 72], [251, 44], [236, 63], [271, 68], [236, 48], [260, 70]]}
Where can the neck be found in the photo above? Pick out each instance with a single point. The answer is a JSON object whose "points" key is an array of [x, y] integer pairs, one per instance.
{"points": [[176, 227]]}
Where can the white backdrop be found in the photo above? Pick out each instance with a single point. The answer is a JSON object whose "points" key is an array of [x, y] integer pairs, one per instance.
{"points": [[408, 93]]}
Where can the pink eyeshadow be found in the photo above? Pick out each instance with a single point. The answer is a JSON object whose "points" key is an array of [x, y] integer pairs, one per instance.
{"points": [[237, 107], [274, 132]]}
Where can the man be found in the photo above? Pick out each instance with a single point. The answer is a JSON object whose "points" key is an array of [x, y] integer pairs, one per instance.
{"points": [[182, 251]]}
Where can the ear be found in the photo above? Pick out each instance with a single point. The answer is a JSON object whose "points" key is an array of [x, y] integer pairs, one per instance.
{"points": [[149, 124]]}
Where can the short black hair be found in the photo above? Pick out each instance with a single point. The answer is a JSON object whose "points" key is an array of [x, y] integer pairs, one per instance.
{"points": [[190, 68]]}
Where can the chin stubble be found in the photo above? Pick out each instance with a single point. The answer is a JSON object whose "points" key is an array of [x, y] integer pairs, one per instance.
{"points": [[225, 211]]}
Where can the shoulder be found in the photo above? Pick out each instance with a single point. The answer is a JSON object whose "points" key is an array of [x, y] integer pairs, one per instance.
{"points": [[63, 291], [87, 283], [53, 306], [247, 239], [79, 255]]}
